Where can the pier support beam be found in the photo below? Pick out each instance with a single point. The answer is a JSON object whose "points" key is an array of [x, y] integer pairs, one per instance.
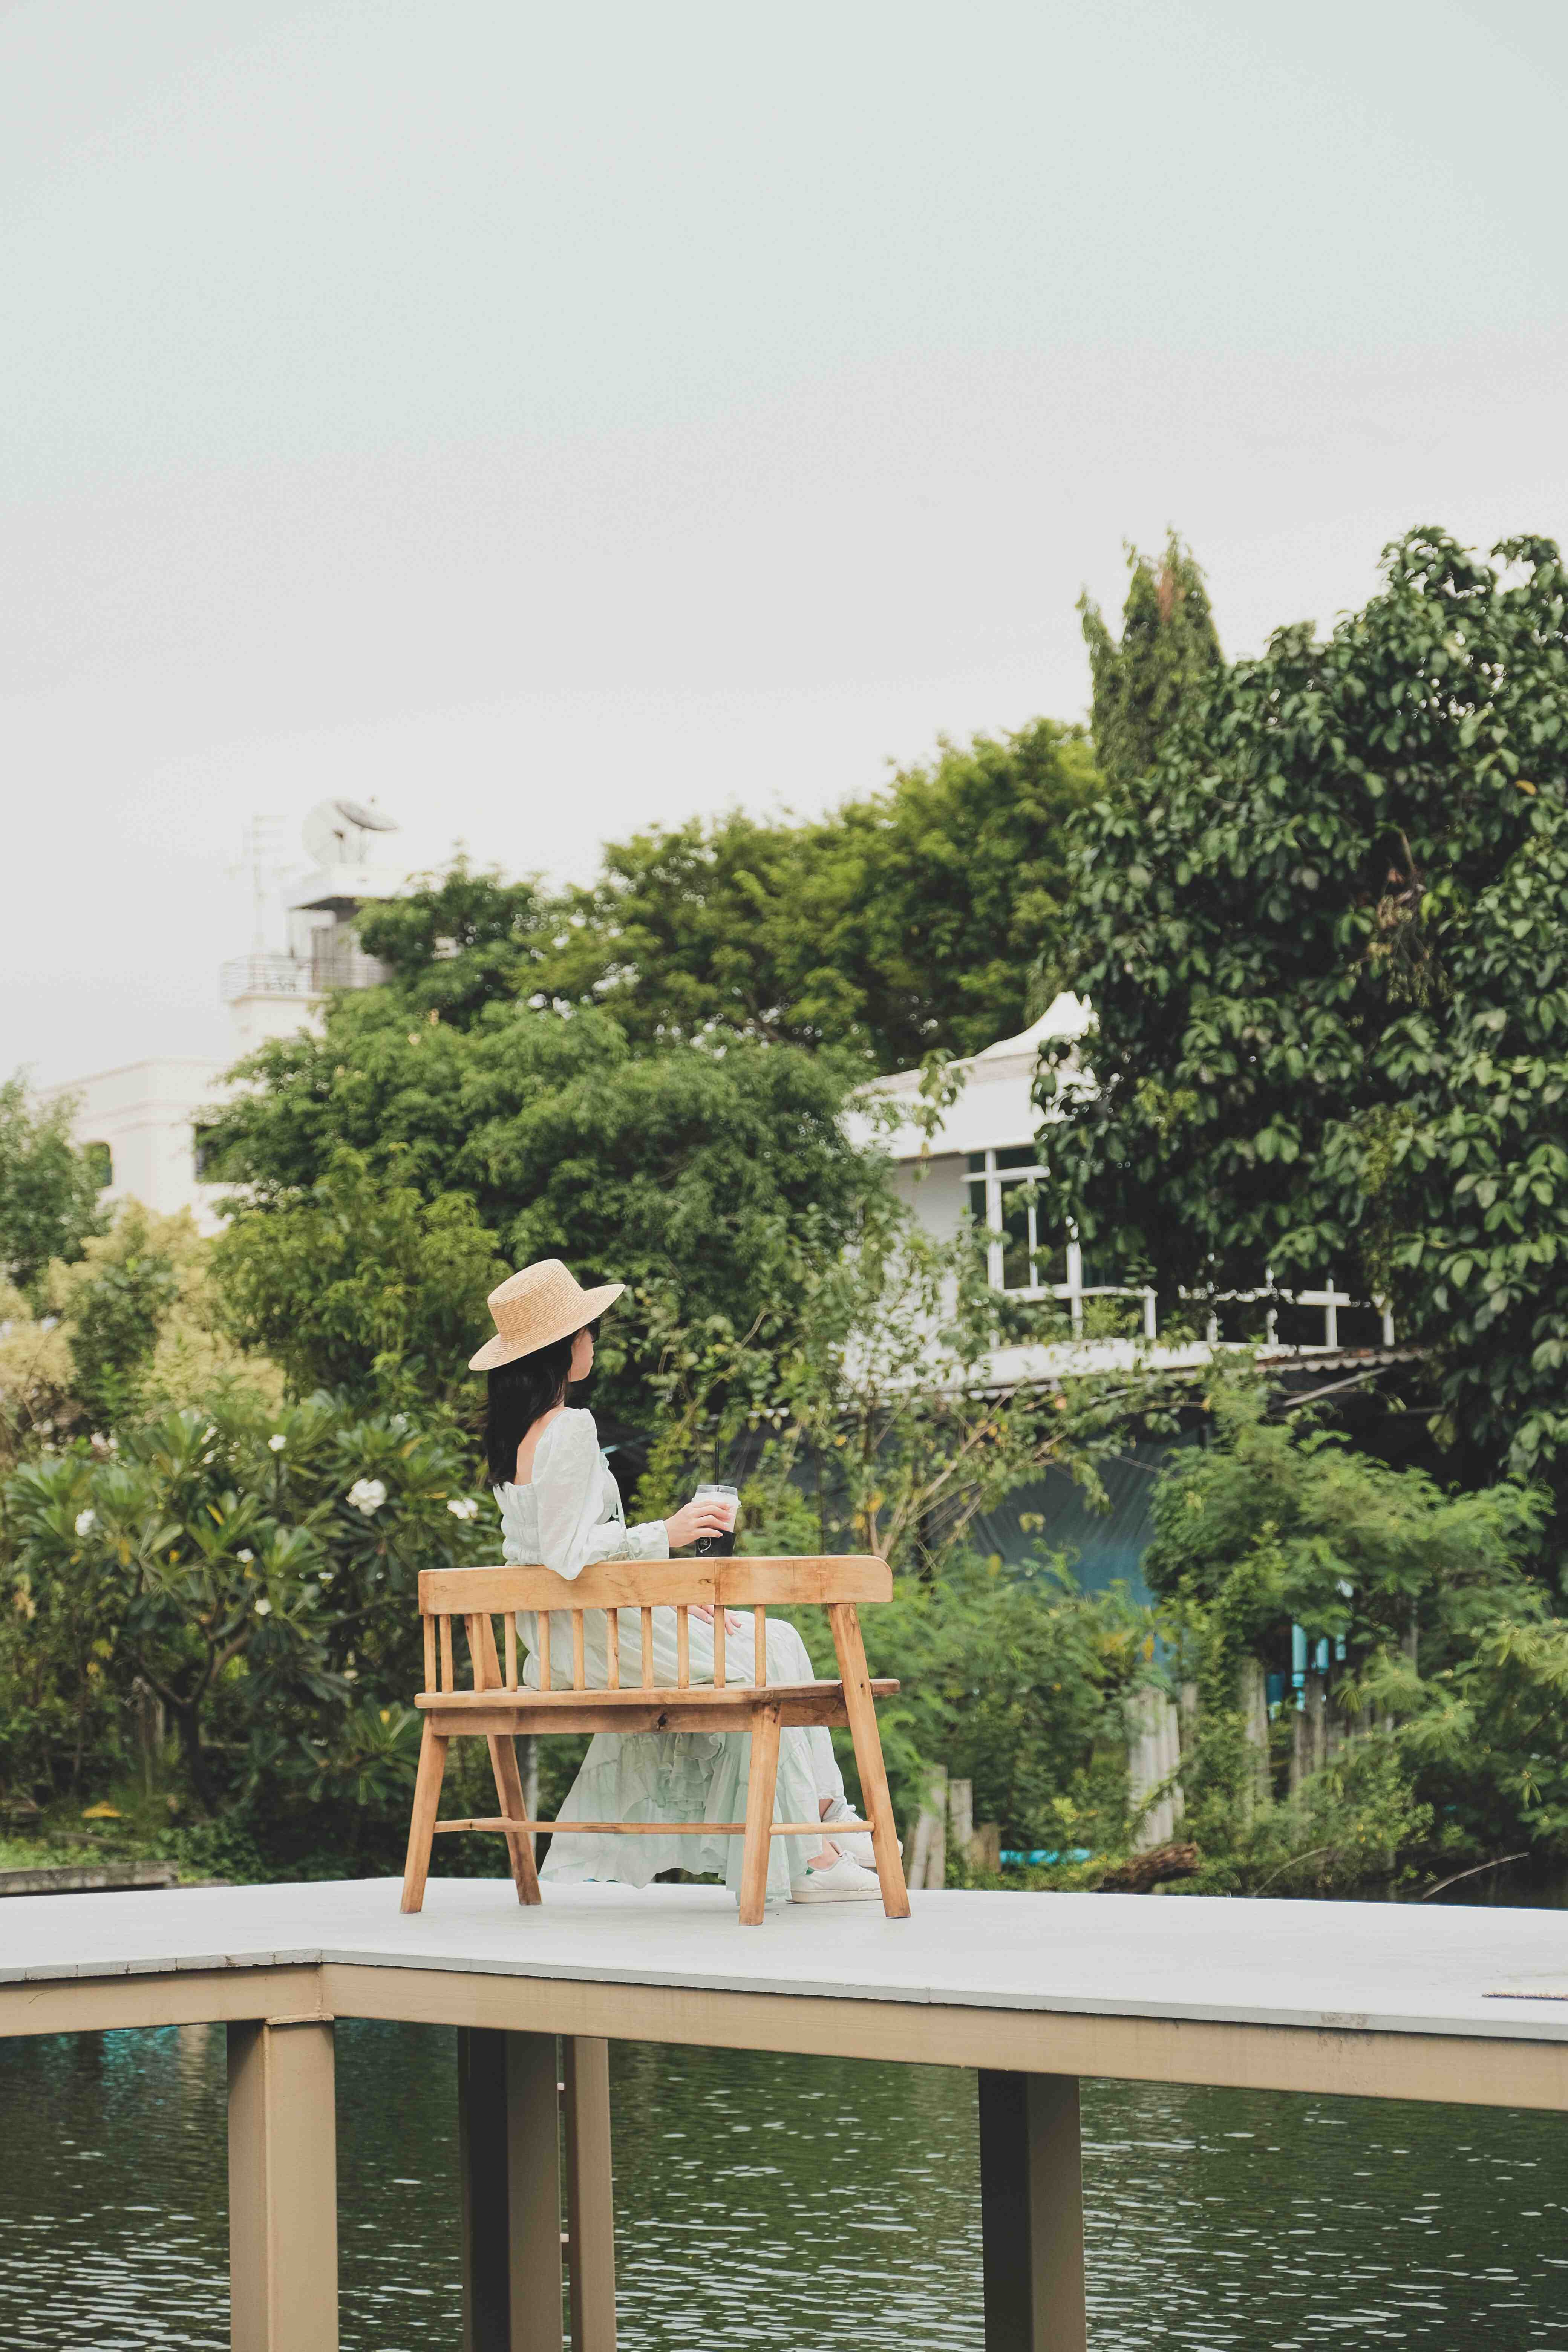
{"points": [[508, 2138], [282, 2187], [1031, 2213], [590, 2198]]}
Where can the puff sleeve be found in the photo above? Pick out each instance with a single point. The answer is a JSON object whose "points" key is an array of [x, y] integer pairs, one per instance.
{"points": [[569, 1485]]}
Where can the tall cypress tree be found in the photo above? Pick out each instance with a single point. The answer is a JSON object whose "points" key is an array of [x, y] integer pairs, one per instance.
{"points": [[1169, 652]]}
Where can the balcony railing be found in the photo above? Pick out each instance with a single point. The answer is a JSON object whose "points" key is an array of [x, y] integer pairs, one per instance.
{"points": [[302, 976]]}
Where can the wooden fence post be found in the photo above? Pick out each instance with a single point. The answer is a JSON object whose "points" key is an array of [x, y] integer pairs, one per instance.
{"points": [[928, 1835]]}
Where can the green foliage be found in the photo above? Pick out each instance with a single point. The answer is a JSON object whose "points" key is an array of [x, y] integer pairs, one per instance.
{"points": [[252, 1569], [705, 1169], [903, 922], [1326, 938], [1277, 1521], [117, 1313], [464, 941], [1453, 1686], [1357, 1828], [1017, 1682], [360, 1285], [1168, 658], [48, 1190], [855, 1404], [134, 1322]]}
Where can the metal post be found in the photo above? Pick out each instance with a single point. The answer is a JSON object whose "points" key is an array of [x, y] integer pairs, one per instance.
{"points": [[590, 2201], [1031, 2213], [282, 2188], [509, 2140]]}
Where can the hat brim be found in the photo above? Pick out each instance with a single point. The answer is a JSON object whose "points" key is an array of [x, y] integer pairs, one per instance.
{"points": [[587, 1309]]}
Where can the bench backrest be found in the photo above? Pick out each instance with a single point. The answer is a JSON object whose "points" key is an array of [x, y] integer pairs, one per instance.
{"points": [[476, 1594]]}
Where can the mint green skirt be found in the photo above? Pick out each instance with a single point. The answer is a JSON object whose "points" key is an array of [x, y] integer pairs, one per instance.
{"points": [[693, 1776]]}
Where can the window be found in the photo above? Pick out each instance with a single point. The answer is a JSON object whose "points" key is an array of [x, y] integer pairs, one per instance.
{"points": [[1028, 1260], [100, 1159], [1025, 1257], [1310, 1318]]}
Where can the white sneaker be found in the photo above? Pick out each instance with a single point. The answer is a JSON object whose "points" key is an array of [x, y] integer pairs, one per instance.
{"points": [[853, 1838], [841, 1882]]}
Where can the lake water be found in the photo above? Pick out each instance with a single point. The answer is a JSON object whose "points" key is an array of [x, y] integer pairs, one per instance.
{"points": [[794, 2203]]}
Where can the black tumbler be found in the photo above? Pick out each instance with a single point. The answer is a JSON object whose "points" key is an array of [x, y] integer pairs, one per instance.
{"points": [[712, 1547]]}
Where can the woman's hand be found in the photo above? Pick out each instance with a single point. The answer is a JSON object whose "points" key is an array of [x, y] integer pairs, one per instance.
{"points": [[703, 1609], [701, 1517]]}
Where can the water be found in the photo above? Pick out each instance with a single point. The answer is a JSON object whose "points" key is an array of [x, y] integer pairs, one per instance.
{"points": [[793, 2202]]}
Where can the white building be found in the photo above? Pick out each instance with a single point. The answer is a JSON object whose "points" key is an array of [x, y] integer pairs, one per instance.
{"points": [[980, 1156], [144, 1120]]}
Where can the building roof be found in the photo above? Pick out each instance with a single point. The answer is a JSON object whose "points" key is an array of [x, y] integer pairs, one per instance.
{"points": [[995, 1107]]}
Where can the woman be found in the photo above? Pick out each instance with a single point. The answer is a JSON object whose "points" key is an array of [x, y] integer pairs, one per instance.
{"points": [[560, 1508]]}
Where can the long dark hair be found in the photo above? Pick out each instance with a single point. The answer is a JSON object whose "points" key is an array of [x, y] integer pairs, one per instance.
{"points": [[518, 1394]]}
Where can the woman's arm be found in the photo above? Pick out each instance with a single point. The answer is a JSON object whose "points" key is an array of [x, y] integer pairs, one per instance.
{"points": [[568, 1489]]}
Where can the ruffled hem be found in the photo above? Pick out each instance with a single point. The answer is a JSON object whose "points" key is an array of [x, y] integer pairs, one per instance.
{"points": [[688, 1775]]}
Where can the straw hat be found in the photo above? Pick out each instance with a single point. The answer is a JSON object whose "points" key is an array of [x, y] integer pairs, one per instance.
{"points": [[541, 1304]]}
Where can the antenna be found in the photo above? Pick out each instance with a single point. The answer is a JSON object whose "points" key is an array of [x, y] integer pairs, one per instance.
{"points": [[263, 864]]}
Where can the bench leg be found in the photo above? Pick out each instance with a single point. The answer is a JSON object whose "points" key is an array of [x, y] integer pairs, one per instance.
{"points": [[1031, 2213], [421, 1827], [590, 2196], [758, 1846], [503, 1760], [861, 1708], [509, 1788]]}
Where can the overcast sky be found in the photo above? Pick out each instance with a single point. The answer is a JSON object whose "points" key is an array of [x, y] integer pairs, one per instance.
{"points": [[556, 419]]}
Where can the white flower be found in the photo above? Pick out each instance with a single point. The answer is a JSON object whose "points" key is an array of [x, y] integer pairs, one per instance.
{"points": [[247, 1557], [464, 1507], [85, 1522], [264, 1608], [277, 1442], [367, 1495]]}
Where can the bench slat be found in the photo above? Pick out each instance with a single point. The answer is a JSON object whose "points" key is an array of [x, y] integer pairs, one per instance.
{"points": [[503, 1822], [739, 1699], [660, 1583]]}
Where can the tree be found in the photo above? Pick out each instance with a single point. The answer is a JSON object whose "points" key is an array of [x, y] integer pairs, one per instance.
{"points": [[928, 915], [1168, 657], [357, 1285], [701, 1166], [463, 941], [1446, 1696], [48, 1190], [251, 1569], [1326, 938]]}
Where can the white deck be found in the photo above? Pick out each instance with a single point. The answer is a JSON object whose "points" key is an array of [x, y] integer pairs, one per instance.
{"points": [[1360, 1967]]}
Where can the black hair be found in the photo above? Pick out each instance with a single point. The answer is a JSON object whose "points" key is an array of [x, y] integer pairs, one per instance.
{"points": [[517, 1394]]}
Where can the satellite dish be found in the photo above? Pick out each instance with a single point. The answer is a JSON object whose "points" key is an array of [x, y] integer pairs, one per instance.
{"points": [[369, 820], [334, 832]]}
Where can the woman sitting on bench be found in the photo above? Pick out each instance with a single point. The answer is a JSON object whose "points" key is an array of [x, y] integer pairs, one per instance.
{"points": [[560, 1508]]}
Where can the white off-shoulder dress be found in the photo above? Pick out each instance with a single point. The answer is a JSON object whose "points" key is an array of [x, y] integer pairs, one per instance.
{"points": [[568, 1515]]}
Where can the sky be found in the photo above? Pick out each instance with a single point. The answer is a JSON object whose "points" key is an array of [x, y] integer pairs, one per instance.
{"points": [[552, 422]]}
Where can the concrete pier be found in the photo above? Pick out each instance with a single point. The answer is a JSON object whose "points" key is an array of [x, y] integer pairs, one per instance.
{"points": [[1035, 1992]]}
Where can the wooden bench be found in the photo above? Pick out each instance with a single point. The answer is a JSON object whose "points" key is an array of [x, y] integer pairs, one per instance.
{"points": [[496, 1706]]}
